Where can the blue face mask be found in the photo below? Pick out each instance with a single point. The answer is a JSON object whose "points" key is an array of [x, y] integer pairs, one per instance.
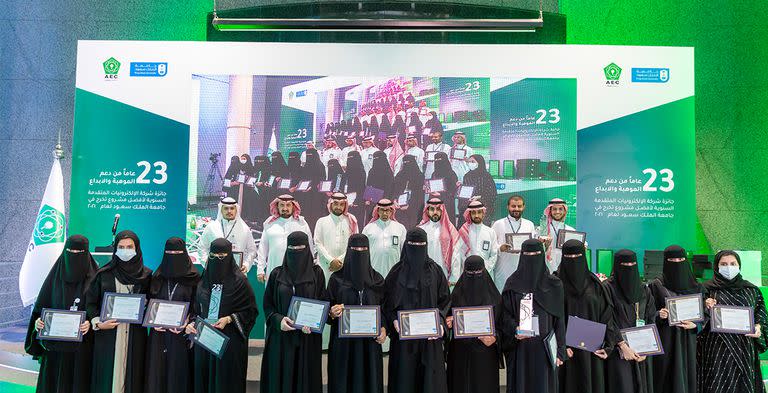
{"points": [[125, 254], [730, 272]]}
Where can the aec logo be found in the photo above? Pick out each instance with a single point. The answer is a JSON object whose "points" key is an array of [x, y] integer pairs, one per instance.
{"points": [[111, 68], [612, 74]]}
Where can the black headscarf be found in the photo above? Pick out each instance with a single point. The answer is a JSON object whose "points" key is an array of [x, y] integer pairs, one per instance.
{"points": [[247, 168], [313, 168], [385, 127], [357, 271], [410, 176], [719, 282], [129, 272], [261, 168], [174, 267], [298, 262], [475, 289], [532, 276], [380, 175], [443, 169], [355, 172], [334, 169], [294, 165], [627, 277], [414, 121], [434, 123], [414, 257], [678, 276], [573, 271], [234, 168], [217, 271], [279, 167]]}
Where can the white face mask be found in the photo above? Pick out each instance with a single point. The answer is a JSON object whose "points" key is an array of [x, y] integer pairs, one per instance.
{"points": [[472, 165], [730, 272], [243, 160], [125, 254]]}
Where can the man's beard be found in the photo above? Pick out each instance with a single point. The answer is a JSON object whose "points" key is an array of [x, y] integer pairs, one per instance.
{"points": [[477, 220], [286, 214], [337, 212], [435, 218], [516, 214]]}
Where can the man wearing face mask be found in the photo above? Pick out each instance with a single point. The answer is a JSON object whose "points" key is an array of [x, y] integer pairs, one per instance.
{"points": [[441, 234], [460, 153], [739, 354], [385, 236], [437, 146], [168, 355], [285, 219], [550, 227], [355, 365], [675, 370], [513, 223], [119, 348], [332, 233], [292, 359], [366, 154], [475, 238], [415, 282], [64, 366], [633, 306], [225, 299], [473, 364], [229, 225]]}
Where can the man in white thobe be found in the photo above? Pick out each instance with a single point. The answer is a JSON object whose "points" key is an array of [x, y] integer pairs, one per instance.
{"points": [[230, 226], [351, 146], [555, 213], [475, 238], [331, 151], [441, 234], [437, 146], [332, 233], [459, 155], [386, 237], [412, 148], [507, 260], [369, 147], [285, 219]]}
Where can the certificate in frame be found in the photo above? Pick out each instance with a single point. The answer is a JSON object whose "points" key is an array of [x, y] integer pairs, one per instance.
{"points": [[565, 234], [346, 317], [297, 315], [647, 330], [108, 305], [717, 325], [210, 338], [406, 316], [675, 317], [154, 306], [49, 315], [463, 330], [515, 241]]}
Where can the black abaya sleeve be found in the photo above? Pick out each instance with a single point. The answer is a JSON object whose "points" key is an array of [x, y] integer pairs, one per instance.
{"points": [[246, 313], [510, 321], [93, 298], [612, 335], [271, 312]]}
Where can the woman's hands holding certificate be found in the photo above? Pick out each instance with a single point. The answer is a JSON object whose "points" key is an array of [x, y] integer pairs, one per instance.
{"points": [[710, 303], [336, 310], [190, 329], [663, 313], [487, 340], [757, 332], [108, 325], [222, 322], [382, 336], [449, 322], [286, 325], [39, 324], [601, 354], [442, 333], [85, 327], [687, 325]]}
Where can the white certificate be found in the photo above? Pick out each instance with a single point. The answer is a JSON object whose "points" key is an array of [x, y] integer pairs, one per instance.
{"points": [[351, 197], [476, 322], [169, 314], [686, 308], [227, 183], [310, 314], [431, 155], [422, 323], [211, 339], [241, 178], [466, 192], [458, 154], [363, 321], [304, 185], [285, 184], [325, 186], [402, 200], [516, 240], [436, 185], [643, 340], [124, 307], [64, 325], [735, 319]]}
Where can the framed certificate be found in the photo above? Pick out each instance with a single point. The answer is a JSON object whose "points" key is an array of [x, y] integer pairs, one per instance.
{"points": [[471, 322], [550, 344], [431, 155], [304, 185], [426, 130], [284, 184], [311, 313], [238, 256], [564, 235], [351, 197], [515, 241], [123, 307], [685, 308], [360, 321], [419, 324], [458, 154], [166, 314], [465, 192], [644, 340], [404, 198], [411, 129], [61, 325], [732, 319], [210, 338], [584, 334], [227, 183], [251, 181], [241, 178], [436, 185], [324, 186]]}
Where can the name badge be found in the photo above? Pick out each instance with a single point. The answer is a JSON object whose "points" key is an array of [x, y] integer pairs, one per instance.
{"points": [[639, 323], [331, 155], [486, 245], [395, 240], [370, 156]]}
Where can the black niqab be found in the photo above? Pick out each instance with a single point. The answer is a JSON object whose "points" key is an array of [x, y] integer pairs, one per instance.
{"points": [[532, 276], [678, 276], [475, 289], [627, 277]]}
